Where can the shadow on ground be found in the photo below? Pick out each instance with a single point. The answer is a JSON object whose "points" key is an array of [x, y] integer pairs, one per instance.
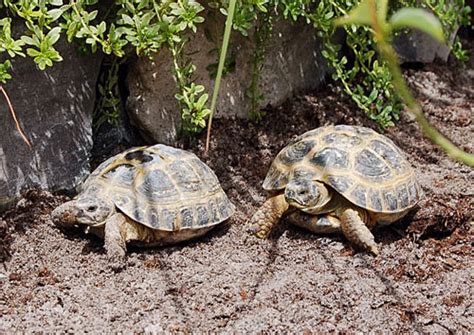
{"points": [[293, 282]]}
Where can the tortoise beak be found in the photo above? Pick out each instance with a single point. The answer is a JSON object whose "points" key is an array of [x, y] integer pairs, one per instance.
{"points": [[290, 198], [64, 215]]}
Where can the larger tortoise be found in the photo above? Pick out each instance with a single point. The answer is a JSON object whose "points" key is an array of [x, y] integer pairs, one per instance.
{"points": [[148, 196], [338, 178]]}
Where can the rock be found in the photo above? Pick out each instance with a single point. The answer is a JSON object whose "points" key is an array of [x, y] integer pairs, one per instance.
{"points": [[292, 64], [419, 47], [55, 109]]}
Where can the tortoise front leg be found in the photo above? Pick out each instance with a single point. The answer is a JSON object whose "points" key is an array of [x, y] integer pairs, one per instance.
{"points": [[354, 224], [268, 215], [115, 239]]}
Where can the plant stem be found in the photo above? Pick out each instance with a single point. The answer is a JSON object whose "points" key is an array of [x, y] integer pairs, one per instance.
{"points": [[414, 107], [91, 34], [390, 55], [12, 111], [220, 68]]}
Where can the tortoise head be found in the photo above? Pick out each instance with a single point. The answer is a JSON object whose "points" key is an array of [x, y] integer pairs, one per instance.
{"points": [[308, 195], [85, 210]]}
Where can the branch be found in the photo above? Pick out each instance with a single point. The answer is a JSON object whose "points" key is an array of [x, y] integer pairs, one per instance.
{"points": [[12, 111]]}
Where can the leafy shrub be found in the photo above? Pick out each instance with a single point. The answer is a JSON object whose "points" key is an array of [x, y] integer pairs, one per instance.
{"points": [[143, 27]]}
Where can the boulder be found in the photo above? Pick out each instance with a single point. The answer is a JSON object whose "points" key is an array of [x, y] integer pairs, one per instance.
{"points": [[419, 47], [293, 63], [55, 109]]}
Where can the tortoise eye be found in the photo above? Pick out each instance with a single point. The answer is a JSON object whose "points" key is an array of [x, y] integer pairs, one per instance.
{"points": [[91, 208]]}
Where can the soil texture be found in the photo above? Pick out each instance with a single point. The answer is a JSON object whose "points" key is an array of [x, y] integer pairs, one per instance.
{"points": [[229, 281]]}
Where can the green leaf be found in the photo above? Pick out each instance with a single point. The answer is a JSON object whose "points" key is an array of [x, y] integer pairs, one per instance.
{"points": [[127, 19], [382, 9], [419, 19], [27, 40], [55, 13], [359, 15], [54, 35], [32, 52], [202, 101]]}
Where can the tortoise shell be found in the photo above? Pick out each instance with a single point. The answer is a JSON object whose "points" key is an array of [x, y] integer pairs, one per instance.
{"points": [[364, 166], [162, 188]]}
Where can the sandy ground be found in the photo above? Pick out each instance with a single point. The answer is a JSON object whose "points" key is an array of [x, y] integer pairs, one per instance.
{"points": [[228, 281]]}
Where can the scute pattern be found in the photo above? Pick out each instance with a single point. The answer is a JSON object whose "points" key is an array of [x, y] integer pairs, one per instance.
{"points": [[297, 151], [391, 201], [202, 215], [370, 165], [168, 219], [412, 192], [331, 158], [340, 183], [375, 200], [403, 196], [183, 174], [186, 218], [388, 153], [209, 179], [157, 185], [139, 155], [358, 196], [342, 140], [163, 188], [364, 166], [276, 179]]}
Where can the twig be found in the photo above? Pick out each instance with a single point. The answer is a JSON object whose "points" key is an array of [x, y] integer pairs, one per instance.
{"points": [[12, 111]]}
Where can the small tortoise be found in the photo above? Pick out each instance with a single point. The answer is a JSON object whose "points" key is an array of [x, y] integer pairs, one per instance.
{"points": [[341, 178], [149, 196]]}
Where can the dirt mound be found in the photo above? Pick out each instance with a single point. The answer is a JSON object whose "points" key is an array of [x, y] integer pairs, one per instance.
{"points": [[33, 209]]}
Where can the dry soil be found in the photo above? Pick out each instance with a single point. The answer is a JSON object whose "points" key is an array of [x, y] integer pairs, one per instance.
{"points": [[55, 281]]}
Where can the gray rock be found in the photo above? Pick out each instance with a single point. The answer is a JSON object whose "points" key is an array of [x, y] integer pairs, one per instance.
{"points": [[55, 110], [293, 64], [417, 46]]}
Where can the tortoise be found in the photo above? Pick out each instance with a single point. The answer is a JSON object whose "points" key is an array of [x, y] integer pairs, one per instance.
{"points": [[338, 178], [148, 196]]}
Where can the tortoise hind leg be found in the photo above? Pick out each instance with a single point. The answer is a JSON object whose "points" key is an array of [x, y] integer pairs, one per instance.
{"points": [[268, 215], [354, 224], [319, 224], [350, 223]]}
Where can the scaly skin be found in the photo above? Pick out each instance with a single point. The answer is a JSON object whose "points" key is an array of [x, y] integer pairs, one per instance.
{"points": [[318, 224], [354, 222], [354, 225], [63, 216], [268, 215], [115, 240]]}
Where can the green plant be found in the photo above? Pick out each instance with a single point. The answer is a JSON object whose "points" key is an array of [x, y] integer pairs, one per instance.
{"points": [[452, 14], [107, 107], [263, 31], [366, 79], [144, 27], [373, 13], [220, 68]]}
